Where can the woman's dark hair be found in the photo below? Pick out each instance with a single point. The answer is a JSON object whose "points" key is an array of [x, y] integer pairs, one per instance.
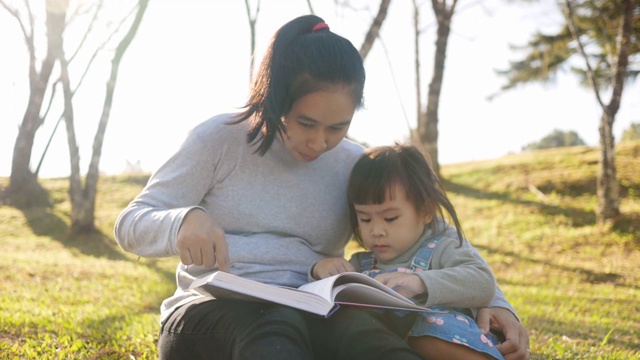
{"points": [[381, 168], [299, 61]]}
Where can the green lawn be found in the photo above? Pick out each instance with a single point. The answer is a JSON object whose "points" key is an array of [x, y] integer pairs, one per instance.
{"points": [[575, 284]]}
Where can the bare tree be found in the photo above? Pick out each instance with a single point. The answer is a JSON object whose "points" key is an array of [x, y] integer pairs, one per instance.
{"points": [[83, 198], [59, 18], [24, 189]]}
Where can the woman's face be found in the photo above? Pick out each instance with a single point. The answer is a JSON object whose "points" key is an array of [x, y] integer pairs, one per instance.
{"points": [[317, 122]]}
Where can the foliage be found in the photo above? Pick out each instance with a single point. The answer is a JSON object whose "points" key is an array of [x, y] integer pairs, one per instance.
{"points": [[631, 133], [557, 138], [574, 283], [547, 54]]}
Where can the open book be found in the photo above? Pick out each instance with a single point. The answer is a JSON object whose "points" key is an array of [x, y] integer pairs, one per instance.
{"points": [[321, 297]]}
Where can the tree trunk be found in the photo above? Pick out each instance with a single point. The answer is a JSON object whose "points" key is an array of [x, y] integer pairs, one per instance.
{"points": [[76, 193], [607, 182], [608, 188], [428, 123], [24, 189], [414, 134], [75, 187]]}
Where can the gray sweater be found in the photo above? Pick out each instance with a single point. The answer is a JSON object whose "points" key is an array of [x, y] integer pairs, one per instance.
{"points": [[280, 215], [456, 276]]}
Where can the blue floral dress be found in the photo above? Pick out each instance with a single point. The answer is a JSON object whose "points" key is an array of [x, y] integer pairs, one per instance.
{"points": [[449, 324]]}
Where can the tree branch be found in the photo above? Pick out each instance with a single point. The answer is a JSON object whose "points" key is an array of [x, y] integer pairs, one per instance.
{"points": [[374, 30], [568, 13]]}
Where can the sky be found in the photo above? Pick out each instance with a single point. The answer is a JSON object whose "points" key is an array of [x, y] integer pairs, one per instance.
{"points": [[190, 62]]}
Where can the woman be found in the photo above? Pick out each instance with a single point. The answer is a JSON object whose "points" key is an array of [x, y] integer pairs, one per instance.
{"points": [[262, 194]]}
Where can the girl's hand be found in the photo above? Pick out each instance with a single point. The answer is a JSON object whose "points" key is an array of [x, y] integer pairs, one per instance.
{"points": [[201, 241], [406, 284], [329, 267]]}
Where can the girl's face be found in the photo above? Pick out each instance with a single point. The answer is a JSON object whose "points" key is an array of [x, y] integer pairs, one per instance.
{"points": [[317, 122], [391, 228]]}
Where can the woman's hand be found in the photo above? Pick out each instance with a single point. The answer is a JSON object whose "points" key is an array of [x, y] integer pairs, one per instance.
{"points": [[201, 241], [516, 344], [329, 267], [406, 284]]}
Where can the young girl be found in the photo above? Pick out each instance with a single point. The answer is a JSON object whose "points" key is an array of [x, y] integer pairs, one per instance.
{"points": [[397, 214]]}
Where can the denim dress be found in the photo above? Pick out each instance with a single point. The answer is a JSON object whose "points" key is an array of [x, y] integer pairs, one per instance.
{"points": [[449, 324]]}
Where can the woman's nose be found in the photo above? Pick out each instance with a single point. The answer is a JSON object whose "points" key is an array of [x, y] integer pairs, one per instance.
{"points": [[317, 143]]}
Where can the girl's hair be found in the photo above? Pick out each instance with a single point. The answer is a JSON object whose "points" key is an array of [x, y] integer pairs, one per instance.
{"points": [[300, 60], [381, 168]]}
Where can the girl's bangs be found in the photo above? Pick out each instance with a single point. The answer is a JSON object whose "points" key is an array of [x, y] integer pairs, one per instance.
{"points": [[372, 186]]}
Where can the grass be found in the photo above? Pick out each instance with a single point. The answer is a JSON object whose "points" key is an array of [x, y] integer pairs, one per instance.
{"points": [[575, 283]]}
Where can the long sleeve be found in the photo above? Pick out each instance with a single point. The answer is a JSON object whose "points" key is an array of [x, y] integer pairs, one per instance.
{"points": [[456, 278], [149, 225], [499, 300]]}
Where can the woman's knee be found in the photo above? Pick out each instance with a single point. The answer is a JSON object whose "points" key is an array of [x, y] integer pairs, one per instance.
{"points": [[235, 329], [281, 319], [278, 333]]}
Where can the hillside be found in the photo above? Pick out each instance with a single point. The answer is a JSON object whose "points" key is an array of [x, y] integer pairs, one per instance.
{"points": [[575, 284]]}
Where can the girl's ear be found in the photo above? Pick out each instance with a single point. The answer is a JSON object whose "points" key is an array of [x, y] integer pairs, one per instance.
{"points": [[428, 216]]}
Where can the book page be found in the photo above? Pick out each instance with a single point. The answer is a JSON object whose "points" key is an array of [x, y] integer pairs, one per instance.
{"points": [[323, 288], [365, 295], [223, 285], [353, 288]]}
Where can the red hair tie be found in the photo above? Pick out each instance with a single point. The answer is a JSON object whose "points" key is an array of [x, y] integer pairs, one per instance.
{"points": [[320, 26]]}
